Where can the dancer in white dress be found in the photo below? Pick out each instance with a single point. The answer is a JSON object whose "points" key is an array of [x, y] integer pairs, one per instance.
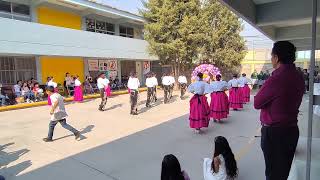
{"points": [[223, 166]]}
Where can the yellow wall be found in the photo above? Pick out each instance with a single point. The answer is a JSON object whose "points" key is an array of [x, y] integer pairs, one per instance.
{"points": [[58, 18], [59, 66]]}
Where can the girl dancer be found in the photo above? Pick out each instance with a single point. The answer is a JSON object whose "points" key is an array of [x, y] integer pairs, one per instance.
{"points": [[78, 95], [235, 96]]}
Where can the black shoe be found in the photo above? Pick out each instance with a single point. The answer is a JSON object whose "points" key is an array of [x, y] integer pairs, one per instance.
{"points": [[77, 135], [47, 140], [135, 113]]}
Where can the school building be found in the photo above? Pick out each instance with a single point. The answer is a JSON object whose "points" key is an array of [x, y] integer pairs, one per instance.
{"points": [[260, 60], [41, 38]]}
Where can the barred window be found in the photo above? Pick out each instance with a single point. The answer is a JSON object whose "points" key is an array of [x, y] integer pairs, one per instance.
{"points": [[13, 69], [99, 26], [15, 11], [126, 32]]}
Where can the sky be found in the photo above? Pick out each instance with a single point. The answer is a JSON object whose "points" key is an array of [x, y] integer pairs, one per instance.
{"points": [[254, 39]]}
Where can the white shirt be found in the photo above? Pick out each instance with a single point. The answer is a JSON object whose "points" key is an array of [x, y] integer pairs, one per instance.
{"points": [[150, 82], [155, 81], [216, 86], [53, 84], [208, 174], [166, 80], [102, 83], [172, 80], [243, 81], [182, 80], [198, 87], [60, 109], [133, 83], [77, 82], [234, 83], [17, 88]]}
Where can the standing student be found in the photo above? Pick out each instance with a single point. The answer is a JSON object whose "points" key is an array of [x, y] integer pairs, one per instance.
{"points": [[279, 100], [50, 82], [223, 165], [78, 95], [166, 82], [133, 85], [155, 83], [102, 83], [199, 108], [183, 85], [58, 114], [235, 95], [172, 81], [150, 85], [171, 169], [244, 86], [219, 106]]}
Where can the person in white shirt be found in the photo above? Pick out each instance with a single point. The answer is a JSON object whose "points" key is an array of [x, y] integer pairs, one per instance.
{"points": [[58, 115], [51, 83], [219, 106], [166, 82], [155, 83], [183, 85], [17, 88], [102, 83], [199, 107], [235, 94], [133, 85], [244, 85], [78, 94], [150, 83], [172, 81], [223, 165]]}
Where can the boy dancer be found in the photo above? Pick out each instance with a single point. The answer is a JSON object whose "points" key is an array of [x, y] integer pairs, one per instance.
{"points": [[58, 114]]}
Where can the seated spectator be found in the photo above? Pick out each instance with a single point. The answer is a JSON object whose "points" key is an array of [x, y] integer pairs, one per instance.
{"points": [[3, 97], [88, 89], [223, 165], [171, 169], [27, 93], [17, 88], [38, 92]]}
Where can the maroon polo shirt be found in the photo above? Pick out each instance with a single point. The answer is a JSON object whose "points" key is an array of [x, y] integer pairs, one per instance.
{"points": [[280, 97]]}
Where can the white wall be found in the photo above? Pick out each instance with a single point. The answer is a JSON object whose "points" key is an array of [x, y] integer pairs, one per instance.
{"points": [[26, 38]]}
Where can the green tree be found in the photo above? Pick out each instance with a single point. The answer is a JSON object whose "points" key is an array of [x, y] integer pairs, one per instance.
{"points": [[172, 30], [222, 46], [183, 33]]}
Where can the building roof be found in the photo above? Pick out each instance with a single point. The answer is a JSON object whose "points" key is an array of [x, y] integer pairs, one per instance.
{"points": [[278, 19]]}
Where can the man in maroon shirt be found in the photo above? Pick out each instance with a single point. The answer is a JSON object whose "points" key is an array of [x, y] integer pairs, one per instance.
{"points": [[279, 100]]}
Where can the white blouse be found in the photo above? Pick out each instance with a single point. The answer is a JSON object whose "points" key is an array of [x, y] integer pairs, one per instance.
{"points": [[77, 82], [53, 84], [209, 174], [199, 87], [243, 81], [234, 83], [216, 86]]}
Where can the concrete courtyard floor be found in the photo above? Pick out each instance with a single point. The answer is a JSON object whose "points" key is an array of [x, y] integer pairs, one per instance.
{"points": [[118, 146]]}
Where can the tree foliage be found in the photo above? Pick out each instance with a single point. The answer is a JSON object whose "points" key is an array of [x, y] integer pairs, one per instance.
{"points": [[184, 32]]}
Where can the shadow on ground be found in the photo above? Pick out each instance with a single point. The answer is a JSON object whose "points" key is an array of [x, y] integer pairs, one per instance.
{"points": [[138, 156], [6, 158]]}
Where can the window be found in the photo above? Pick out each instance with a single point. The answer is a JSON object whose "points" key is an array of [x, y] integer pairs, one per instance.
{"points": [[126, 32], [14, 11], [13, 69], [99, 26]]}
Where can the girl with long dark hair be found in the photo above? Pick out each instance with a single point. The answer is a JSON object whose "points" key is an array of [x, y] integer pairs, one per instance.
{"points": [[223, 165], [171, 169]]}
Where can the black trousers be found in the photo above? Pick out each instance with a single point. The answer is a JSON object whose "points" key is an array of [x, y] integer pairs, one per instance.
{"points": [[183, 88], [278, 145], [166, 93], [133, 101], [104, 98], [150, 95]]}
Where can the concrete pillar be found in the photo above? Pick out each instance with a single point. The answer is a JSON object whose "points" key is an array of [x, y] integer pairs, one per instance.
{"points": [[117, 29], [139, 70], [119, 70], [86, 67], [39, 70], [34, 14]]}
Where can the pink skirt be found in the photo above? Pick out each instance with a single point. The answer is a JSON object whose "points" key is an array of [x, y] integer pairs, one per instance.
{"points": [[199, 112], [108, 91], [78, 95], [219, 106], [236, 98], [246, 93], [49, 100]]}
